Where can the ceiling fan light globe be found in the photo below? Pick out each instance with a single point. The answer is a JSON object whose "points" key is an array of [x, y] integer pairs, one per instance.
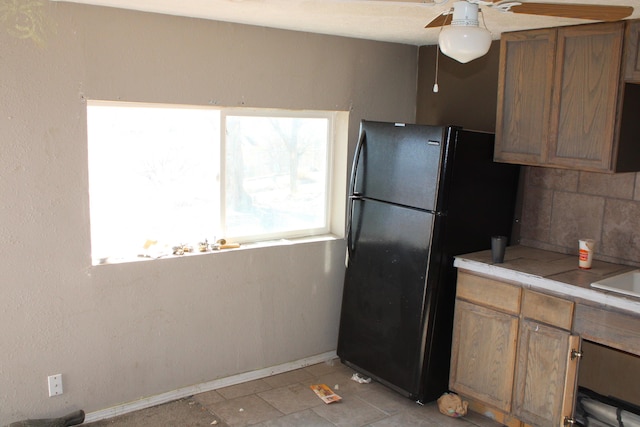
{"points": [[464, 43]]}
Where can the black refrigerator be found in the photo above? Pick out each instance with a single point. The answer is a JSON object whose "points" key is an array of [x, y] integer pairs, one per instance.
{"points": [[418, 196]]}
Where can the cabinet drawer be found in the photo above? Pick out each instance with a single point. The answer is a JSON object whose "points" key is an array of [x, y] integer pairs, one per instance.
{"points": [[613, 329], [547, 309], [488, 292]]}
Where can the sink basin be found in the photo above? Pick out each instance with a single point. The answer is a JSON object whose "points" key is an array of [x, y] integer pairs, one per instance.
{"points": [[627, 283]]}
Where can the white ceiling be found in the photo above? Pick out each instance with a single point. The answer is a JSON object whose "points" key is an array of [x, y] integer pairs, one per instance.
{"points": [[384, 20]]}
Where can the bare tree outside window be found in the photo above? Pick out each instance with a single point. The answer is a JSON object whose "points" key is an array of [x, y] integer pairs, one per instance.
{"points": [[277, 173]]}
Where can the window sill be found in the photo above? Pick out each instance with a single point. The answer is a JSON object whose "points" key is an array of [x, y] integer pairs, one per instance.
{"points": [[244, 246]]}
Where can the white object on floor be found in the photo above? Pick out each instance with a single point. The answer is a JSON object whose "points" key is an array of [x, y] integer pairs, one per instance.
{"points": [[357, 378]]}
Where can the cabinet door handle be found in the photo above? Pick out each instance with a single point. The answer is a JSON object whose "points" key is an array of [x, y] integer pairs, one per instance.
{"points": [[576, 354]]}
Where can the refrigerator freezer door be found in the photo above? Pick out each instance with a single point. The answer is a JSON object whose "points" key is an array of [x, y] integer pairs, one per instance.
{"points": [[381, 326], [398, 164]]}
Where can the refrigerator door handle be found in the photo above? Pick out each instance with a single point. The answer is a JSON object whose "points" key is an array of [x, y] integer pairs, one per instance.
{"points": [[350, 247], [356, 161], [352, 193]]}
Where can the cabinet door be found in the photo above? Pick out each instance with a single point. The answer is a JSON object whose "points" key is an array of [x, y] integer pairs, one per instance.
{"points": [[632, 52], [545, 383], [586, 84], [483, 354], [524, 96]]}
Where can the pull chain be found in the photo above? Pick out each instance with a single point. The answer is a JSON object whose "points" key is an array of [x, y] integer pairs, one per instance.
{"points": [[435, 85]]}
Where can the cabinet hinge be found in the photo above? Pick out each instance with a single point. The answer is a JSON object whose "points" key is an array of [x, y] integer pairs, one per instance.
{"points": [[576, 354], [568, 421]]}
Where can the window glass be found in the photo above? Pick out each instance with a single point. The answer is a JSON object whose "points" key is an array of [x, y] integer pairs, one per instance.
{"points": [[276, 174]]}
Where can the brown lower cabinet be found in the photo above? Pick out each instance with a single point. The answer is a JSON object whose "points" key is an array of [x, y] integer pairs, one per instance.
{"points": [[513, 352]]}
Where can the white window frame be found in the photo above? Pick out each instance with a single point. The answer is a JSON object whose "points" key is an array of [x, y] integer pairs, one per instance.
{"points": [[266, 112]]}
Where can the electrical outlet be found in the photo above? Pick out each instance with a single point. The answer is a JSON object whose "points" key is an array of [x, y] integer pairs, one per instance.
{"points": [[55, 385]]}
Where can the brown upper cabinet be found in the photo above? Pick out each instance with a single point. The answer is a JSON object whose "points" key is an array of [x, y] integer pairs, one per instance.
{"points": [[632, 37], [569, 97]]}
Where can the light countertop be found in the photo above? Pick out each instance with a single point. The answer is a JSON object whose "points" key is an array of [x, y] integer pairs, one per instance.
{"points": [[552, 272]]}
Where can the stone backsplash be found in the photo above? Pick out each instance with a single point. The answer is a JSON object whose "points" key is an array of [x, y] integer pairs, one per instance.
{"points": [[561, 206]]}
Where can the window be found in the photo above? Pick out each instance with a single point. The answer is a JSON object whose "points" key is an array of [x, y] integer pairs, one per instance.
{"points": [[162, 176]]}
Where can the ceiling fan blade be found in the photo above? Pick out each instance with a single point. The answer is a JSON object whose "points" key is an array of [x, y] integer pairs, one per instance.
{"points": [[439, 21], [580, 11], [428, 2]]}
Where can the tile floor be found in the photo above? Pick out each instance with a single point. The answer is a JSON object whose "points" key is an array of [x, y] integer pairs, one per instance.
{"points": [[287, 400]]}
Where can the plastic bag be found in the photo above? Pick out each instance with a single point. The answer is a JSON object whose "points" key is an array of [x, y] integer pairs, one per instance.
{"points": [[451, 405], [359, 379]]}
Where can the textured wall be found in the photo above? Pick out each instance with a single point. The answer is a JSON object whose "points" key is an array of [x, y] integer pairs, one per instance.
{"points": [[118, 333]]}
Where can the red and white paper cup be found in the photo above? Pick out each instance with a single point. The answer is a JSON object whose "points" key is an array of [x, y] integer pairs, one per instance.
{"points": [[586, 247]]}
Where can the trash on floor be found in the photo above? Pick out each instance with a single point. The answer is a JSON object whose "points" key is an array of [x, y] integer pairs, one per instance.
{"points": [[359, 379], [451, 405], [71, 419], [325, 393]]}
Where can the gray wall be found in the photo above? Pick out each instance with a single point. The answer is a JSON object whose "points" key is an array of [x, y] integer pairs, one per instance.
{"points": [[467, 92], [118, 333]]}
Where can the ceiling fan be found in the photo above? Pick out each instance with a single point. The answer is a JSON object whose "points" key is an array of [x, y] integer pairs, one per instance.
{"points": [[462, 39], [594, 12]]}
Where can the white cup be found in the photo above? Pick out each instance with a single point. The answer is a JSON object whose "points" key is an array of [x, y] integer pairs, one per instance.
{"points": [[586, 247]]}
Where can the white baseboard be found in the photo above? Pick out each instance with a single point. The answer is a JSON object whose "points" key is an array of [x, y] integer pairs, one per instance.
{"points": [[181, 393]]}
